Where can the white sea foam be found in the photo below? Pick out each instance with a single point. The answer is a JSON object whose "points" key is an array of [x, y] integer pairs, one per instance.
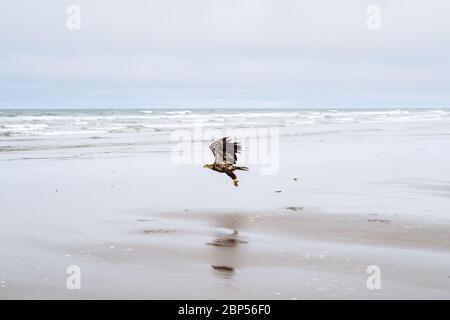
{"points": [[179, 112], [85, 122]]}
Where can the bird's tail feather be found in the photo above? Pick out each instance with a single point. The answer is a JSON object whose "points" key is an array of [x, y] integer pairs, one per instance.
{"points": [[242, 168]]}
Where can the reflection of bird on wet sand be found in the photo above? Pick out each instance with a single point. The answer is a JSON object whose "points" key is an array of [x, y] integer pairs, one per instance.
{"points": [[226, 242], [225, 157], [227, 246]]}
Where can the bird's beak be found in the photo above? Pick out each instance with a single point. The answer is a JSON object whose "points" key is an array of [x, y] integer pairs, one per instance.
{"points": [[205, 166]]}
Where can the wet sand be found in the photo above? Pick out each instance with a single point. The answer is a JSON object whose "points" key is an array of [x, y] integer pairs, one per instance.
{"points": [[279, 255]]}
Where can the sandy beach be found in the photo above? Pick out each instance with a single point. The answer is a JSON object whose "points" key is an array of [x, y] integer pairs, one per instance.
{"points": [[346, 196]]}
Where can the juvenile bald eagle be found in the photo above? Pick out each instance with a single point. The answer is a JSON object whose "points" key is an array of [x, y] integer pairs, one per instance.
{"points": [[225, 156]]}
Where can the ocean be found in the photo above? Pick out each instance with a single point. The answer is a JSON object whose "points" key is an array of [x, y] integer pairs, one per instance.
{"points": [[91, 133], [89, 122]]}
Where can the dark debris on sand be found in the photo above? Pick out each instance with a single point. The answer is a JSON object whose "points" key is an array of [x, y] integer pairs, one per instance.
{"points": [[386, 221], [295, 208]]}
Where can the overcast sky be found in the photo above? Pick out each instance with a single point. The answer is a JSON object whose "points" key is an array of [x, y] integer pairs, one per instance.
{"points": [[225, 53]]}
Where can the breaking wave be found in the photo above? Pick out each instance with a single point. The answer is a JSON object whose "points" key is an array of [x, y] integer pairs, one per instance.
{"points": [[87, 122]]}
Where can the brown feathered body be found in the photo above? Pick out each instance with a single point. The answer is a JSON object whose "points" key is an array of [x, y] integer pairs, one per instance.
{"points": [[225, 157]]}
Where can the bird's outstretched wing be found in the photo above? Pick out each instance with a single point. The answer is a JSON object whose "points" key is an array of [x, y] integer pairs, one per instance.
{"points": [[225, 151]]}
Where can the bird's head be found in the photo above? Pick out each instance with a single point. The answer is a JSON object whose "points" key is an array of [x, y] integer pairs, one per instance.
{"points": [[208, 166]]}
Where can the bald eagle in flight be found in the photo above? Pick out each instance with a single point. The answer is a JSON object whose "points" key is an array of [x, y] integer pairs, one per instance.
{"points": [[225, 156]]}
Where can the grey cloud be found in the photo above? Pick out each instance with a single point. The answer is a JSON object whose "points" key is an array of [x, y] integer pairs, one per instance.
{"points": [[225, 53]]}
